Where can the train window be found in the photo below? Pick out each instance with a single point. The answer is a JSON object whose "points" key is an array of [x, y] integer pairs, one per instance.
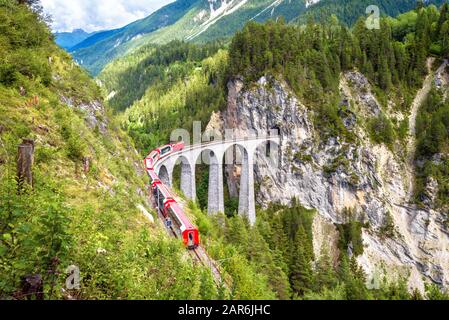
{"points": [[191, 242], [168, 222], [161, 200], [174, 217], [165, 150]]}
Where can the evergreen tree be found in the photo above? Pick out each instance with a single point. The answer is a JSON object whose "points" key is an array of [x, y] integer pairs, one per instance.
{"points": [[326, 277], [301, 276], [444, 16]]}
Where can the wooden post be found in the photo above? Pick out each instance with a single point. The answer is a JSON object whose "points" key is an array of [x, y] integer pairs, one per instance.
{"points": [[86, 164], [25, 163]]}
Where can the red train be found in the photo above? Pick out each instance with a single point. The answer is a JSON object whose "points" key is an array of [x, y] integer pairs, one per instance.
{"points": [[175, 218]]}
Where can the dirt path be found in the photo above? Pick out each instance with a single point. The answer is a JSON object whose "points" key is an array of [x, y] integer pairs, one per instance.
{"points": [[417, 103]]}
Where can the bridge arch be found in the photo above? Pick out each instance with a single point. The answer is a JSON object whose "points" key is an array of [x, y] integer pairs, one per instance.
{"points": [[187, 177], [210, 159], [237, 154], [164, 175], [270, 150]]}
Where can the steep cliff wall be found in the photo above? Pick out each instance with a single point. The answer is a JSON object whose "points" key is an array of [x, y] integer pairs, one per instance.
{"points": [[332, 175]]}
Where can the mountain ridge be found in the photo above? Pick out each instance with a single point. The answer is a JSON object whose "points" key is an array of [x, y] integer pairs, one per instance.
{"points": [[67, 40]]}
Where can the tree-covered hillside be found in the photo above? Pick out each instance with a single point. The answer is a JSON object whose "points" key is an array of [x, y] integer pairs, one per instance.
{"points": [[193, 21], [178, 83], [349, 11], [82, 207]]}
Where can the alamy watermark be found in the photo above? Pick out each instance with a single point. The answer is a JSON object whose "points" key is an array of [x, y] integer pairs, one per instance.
{"points": [[72, 282], [373, 20]]}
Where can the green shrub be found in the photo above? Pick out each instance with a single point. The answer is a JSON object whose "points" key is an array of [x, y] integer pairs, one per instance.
{"points": [[75, 148], [388, 229], [8, 74], [402, 129], [350, 233], [44, 154], [381, 130]]}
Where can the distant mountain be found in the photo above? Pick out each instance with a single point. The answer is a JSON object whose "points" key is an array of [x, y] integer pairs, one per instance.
{"points": [[67, 40], [94, 38], [189, 20], [95, 52], [205, 20]]}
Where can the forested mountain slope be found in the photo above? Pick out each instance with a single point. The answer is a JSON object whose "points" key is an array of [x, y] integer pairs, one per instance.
{"points": [[200, 21], [349, 11], [342, 99], [95, 52]]}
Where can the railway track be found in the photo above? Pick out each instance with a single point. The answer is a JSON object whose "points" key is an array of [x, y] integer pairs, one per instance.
{"points": [[200, 255]]}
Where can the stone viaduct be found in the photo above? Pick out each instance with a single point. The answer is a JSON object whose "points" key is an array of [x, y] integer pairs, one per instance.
{"points": [[215, 154]]}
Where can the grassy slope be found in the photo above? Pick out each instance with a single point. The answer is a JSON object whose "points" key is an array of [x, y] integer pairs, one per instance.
{"points": [[72, 215]]}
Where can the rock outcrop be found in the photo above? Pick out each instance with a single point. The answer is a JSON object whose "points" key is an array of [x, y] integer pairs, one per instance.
{"points": [[94, 112], [333, 175]]}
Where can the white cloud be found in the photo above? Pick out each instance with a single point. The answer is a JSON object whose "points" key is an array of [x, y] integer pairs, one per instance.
{"points": [[93, 15]]}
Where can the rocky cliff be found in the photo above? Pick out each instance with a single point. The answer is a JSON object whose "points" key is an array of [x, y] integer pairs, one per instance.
{"points": [[334, 176]]}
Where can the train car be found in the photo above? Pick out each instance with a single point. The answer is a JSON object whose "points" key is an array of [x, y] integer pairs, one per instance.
{"points": [[179, 146], [182, 226], [151, 160], [174, 216], [162, 195], [169, 149], [159, 153]]}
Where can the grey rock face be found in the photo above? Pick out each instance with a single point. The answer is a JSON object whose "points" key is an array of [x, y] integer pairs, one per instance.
{"points": [[332, 175], [94, 112], [361, 85]]}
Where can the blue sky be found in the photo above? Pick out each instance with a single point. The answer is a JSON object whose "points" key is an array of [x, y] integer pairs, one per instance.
{"points": [[93, 15]]}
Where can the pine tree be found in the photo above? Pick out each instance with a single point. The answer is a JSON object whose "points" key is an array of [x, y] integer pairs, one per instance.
{"points": [[384, 73], [444, 16], [301, 276], [325, 273]]}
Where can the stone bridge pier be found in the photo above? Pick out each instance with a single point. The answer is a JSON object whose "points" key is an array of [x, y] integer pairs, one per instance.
{"points": [[247, 202], [215, 201], [188, 186], [214, 154]]}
